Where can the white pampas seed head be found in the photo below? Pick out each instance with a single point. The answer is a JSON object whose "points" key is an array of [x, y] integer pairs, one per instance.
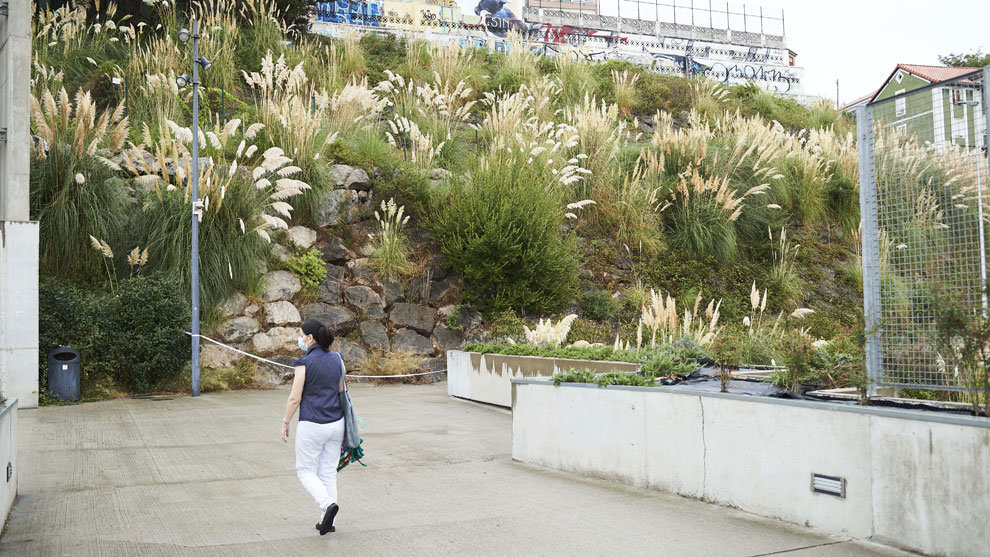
{"points": [[80, 179]]}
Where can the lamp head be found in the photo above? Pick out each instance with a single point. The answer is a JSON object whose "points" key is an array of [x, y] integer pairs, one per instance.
{"points": [[184, 35], [182, 80], [204, 62]]}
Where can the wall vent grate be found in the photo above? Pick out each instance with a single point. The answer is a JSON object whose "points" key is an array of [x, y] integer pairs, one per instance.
{"points": [[829, 485]]}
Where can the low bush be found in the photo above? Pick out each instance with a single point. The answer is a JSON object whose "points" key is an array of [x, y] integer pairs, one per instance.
{"points": [[392, 363], [598, 305], [241, 374], [507, 324], [596, 353], [668, 363], [310, 268], [142, 332], [602, 379], [65, 318], [501, 230]]}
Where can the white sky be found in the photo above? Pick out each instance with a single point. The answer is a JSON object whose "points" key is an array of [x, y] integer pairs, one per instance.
{"points": [[857, 42]]}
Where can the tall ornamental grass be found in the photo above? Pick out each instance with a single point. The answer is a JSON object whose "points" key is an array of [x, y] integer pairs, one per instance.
{"points": [[75, 189]]}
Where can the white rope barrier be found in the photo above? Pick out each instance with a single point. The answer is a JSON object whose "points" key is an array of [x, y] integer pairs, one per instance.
{"points": [[270, 362]]}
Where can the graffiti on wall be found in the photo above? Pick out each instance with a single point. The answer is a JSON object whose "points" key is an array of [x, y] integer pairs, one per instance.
{"points": [[487, 23]]}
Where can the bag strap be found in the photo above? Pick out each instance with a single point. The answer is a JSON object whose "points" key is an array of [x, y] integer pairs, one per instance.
{"points": [[343, 370]]}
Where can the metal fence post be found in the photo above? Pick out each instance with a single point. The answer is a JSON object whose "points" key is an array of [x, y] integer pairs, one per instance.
{"points": [[869, 232]]}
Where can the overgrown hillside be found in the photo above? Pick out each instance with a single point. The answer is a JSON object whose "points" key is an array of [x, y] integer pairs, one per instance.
{"points": [[530, 187]]}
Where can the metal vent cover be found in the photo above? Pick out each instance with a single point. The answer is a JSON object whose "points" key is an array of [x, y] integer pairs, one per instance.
{"points": [[829, 485]]}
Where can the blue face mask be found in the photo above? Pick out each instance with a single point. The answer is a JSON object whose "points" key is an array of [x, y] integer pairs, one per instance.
{"points": [[302, 345]]}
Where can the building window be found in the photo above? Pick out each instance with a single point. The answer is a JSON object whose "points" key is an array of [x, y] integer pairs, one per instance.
{"points": [[899, 76], [900, 103]]}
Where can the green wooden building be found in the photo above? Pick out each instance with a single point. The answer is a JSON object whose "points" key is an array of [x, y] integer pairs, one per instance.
{"points": [[948, 112]]}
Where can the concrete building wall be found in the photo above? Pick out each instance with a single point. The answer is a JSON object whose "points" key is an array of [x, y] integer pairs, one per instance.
{"points": [[911, 480], [18, 236], [8, 458], [488, 377]]}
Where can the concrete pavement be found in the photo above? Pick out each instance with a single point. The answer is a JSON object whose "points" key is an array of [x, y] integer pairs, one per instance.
{"points": [[209, 476]]}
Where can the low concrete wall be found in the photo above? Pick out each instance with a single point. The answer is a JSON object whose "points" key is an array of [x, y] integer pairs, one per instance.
{"points": [[916, 480], [488, 377], [8, 456]]}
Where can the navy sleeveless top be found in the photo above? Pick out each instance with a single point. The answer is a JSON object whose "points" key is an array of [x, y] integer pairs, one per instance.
{"points": [[321, 391]]}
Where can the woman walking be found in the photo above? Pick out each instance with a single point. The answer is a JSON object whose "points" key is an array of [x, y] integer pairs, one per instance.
{"points": [[320, 431]]}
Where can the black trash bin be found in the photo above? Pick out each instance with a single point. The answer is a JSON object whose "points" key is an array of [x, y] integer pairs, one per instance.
{"points": [[63, 373]]}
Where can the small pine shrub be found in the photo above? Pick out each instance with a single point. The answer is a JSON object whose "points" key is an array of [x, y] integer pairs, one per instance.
{"points": [[310, 268], [502, 232], [507, 324], [667, 362], [598, 305]]}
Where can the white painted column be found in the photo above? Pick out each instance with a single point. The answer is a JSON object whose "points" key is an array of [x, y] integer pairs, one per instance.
{"points": [[939, 114], [18, 236]]}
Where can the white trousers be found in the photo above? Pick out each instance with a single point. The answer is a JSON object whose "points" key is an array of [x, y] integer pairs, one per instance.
{"points": [[317, 455]]}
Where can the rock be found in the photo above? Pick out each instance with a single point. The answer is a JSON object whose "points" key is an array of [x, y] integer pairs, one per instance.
{"points": [[148, 183], [239, 329], [336, 251], [367, 250], [466, 319], [281, 253], [273, 376], [330, 290], [334, 206], [338, 318], [276, 339], [366, 300], [251, 310], [447, 339], [205, 163], [349, 177], [279, 285], [361, 269], [233, 305], [142, 160], [393, 292], [281, 313], [336, 272], [440, 174], [409, 341], [420, 318], [353, 355], [442, 291], [438, 268], [433, 364], [375, 335], [213, 356], [302, 237]]}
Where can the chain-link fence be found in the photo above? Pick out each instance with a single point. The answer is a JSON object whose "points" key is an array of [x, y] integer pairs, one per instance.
{"points": [[923, 193]]}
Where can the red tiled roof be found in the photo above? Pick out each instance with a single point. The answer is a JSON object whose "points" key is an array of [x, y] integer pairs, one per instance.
{"points": [[936, 74], [867, 97]]}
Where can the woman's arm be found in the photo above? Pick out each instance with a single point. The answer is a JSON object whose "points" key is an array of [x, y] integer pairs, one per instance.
{"points": [[295, 397]]}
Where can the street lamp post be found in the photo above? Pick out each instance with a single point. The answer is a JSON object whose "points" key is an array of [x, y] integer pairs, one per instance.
{"points": [[197, 203]]}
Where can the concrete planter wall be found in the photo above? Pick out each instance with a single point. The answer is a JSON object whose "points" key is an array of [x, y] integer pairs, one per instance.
{"points": [[8, 456], [917, 480], [488, 377]]}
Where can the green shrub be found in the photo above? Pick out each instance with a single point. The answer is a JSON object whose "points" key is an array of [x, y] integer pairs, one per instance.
{"points": [[667, 362], [595, 353], [602, 379], [143, 326], [598, 305], [507, 324], [502, 232], [65, 318], [310, 268]]}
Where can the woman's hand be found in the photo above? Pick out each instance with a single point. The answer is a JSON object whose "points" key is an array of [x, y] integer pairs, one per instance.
{"points": [[285, 432]]}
